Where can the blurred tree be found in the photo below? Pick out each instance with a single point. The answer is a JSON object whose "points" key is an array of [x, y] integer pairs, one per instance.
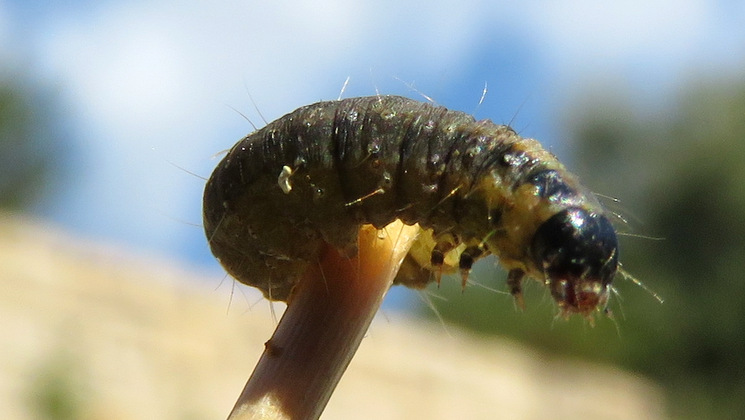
{"points": [[31, 147], [683, 173]]}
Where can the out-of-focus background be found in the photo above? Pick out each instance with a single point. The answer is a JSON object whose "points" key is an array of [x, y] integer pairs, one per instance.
{"points": [[111, 111]]}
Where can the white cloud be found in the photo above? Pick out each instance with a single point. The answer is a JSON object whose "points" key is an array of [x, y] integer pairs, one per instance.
{"points": [[656, 38], [621, 30]]}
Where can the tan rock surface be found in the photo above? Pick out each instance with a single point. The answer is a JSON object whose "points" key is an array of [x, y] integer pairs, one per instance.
{"points": [[119, 337]]}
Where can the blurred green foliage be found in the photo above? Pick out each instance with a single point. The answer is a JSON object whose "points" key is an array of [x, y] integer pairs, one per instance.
{"points": [[680, 175], [32, 148], [58, 389]]}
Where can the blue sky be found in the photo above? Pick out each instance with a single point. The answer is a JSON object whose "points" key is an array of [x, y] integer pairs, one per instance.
{"points": [[145, 83]]}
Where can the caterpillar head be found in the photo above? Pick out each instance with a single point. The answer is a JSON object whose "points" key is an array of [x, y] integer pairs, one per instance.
{"points": [[577, 250]]}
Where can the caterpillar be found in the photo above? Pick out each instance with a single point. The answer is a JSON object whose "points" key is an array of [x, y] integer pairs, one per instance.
{"points": [[475, 188]]}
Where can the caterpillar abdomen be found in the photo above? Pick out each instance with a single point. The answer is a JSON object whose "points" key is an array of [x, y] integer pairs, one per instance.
{"points": [[477, 188]]}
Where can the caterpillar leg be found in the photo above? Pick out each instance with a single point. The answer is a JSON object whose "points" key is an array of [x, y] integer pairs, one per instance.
{"points": [[514, 282], [467, 258], [437, 258]]}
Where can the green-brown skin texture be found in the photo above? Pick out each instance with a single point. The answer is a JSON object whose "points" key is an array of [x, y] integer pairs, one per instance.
{"points": [[372, 160]]}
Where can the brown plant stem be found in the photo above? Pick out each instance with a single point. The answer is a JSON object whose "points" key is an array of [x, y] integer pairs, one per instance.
{"points": [[327, 316]]}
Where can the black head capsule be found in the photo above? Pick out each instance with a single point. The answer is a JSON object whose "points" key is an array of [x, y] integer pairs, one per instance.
{"points": [[578, 252]]}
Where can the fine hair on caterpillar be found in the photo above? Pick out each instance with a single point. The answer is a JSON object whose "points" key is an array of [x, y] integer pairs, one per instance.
{"points": [[627, 219], [315, 175]]}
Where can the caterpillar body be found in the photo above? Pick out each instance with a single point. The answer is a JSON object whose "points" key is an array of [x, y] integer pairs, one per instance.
{"points": [[475, 188]]}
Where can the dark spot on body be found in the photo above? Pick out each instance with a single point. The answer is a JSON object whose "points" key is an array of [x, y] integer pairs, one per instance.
{"points": [[495, 216], [550, 185]]}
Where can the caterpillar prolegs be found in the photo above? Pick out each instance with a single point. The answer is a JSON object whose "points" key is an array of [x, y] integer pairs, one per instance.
{"points": [[476, 188]]}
